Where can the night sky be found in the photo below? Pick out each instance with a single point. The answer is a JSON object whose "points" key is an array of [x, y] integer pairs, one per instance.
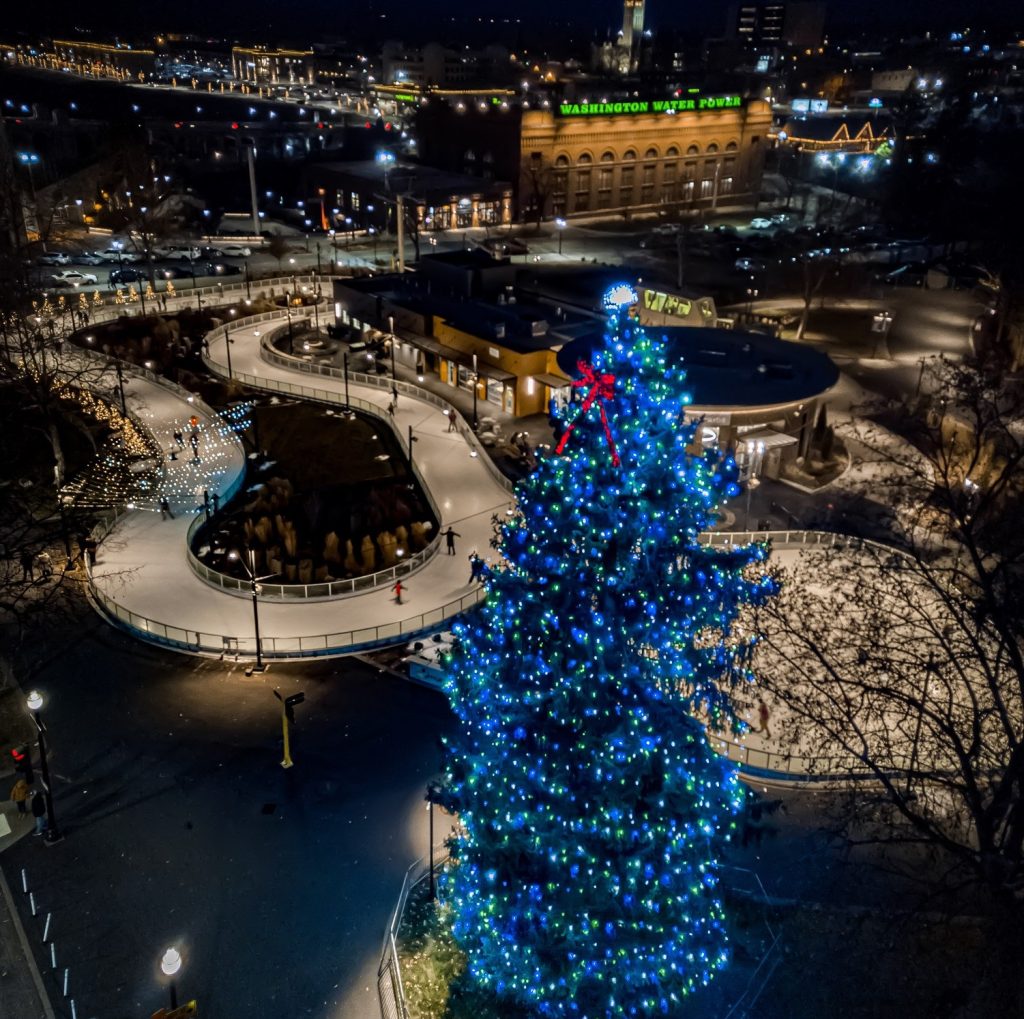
{"points": [[306, 20]]}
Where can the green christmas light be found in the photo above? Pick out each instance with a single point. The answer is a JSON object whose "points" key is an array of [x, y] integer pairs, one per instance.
{"points": [[592, 808]]}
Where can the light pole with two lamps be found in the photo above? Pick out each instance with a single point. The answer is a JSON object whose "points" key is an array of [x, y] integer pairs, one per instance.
{"points": [[254, 581]]}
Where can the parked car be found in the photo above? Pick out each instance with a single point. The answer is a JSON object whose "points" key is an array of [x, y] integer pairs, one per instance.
{"points": [[760, 223], [53, 258], [217, 269], [913, 274], [89, 258], [185, 252], [176, 272], [73, 278], [781, 218], [121, 276], [746, 264], [235, 250]]}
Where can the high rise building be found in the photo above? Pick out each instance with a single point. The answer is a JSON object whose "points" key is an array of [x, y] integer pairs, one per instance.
{"points": [[759, 24], [632, 29]]}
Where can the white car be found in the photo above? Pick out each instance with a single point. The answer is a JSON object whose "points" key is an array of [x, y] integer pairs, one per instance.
{"points": [[73, 278], [180, 252], [53, 258], [235, 250], [760, 223], [89, 258], [118, 256]]}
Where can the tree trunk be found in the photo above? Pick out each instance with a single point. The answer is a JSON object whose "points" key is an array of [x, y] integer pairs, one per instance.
{"points": [[53, 434]]}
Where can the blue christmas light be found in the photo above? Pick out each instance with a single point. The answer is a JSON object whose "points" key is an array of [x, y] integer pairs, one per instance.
{"points": [[619, 295], [592, 806]]}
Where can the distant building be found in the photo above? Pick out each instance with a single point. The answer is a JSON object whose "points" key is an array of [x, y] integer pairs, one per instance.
{"points": [[799, 24], [261, 66], [105, 60], [605, 158], [621, 55], [437, 65], [364, 193]]}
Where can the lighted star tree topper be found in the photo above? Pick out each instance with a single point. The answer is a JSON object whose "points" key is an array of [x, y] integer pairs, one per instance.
{"points": [[592, 809]]}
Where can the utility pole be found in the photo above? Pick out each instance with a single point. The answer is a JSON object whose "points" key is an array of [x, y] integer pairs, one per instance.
{"points": [[251, 154], [400, 213]]}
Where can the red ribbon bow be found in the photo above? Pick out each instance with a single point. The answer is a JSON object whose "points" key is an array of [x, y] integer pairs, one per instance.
{"points": [[601, 388]]}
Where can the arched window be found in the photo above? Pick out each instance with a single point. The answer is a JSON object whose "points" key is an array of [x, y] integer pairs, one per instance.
{"points": [[731, 147], [651, 153], [629, 154], [584, 158], [671, 152], [693, 150], [562, 160], [712, 149], [608, 157]]}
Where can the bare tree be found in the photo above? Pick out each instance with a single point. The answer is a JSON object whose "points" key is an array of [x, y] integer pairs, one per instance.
{"points": [[905, 662]]}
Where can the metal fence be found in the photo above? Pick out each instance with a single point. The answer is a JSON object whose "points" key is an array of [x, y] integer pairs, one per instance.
{"points": [[318, 590], [390, 991]]}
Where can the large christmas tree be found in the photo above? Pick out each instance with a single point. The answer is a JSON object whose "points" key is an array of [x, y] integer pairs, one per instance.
{"points": [[592, 807]]}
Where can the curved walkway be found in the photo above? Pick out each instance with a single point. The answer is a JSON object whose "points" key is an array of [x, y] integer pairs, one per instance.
{"points": [[142, 578]]}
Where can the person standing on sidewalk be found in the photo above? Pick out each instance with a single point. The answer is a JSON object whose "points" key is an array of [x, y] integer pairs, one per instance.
{"points": [[763, 716], [38, 804], [449, 536], [20, 794]]}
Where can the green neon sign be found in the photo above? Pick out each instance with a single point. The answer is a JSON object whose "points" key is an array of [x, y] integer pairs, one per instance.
{"points": [[639, 107], [404, 97]]}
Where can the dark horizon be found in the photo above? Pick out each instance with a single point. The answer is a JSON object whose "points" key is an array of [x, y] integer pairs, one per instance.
{"points": [[578, 20]]}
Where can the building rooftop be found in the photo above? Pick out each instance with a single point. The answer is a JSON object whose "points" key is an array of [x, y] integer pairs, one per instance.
{"points": [[406, 178], [730, 369]]}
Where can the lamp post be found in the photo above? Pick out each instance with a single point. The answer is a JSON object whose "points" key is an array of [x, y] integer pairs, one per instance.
{"points": [[755, 451], [250, 569], [170, 964], [394, 377], [412, 439], [228, 341], [35, 704], [559, 226], [476, 420], [928, 670], [348, 409], [120, 386]]}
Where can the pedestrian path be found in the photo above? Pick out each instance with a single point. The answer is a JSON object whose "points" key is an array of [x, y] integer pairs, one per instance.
{"points": [[142, 576]]}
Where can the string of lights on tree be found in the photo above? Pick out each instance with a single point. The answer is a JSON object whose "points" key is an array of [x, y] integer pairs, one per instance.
{"points": [[592, 807]]}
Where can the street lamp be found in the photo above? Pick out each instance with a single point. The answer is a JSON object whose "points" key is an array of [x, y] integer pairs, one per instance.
{"points": [[755, 454], [170, 964], [394, 378], [560, 225], [120, 385], [35, 704], [227, 338], [250, 569], [412, 439], [476, 420]]}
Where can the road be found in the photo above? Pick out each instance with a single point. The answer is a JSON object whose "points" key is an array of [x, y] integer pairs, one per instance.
{"points": [[183, 828]]}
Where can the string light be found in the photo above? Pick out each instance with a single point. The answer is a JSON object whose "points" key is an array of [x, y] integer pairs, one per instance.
{"points": [[592, 807]]}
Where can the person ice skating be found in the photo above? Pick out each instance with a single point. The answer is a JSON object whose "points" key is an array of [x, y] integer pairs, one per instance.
{"points": [[27, 561], [179, 439], [20, 794], [449, 537], [476, 568], [38, 805], [398, 589], [763, 715], [391, 408], [451, 420], [165, 510]]}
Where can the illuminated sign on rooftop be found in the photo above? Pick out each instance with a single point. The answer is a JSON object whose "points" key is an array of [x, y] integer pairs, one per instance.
{"points": [[641, 106]]}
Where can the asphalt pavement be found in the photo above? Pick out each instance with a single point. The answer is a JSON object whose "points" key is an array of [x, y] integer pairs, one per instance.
{"points": [[182, 828]]}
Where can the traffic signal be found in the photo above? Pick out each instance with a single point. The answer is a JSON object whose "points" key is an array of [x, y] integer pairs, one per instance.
{"points": [[22, 755]]}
